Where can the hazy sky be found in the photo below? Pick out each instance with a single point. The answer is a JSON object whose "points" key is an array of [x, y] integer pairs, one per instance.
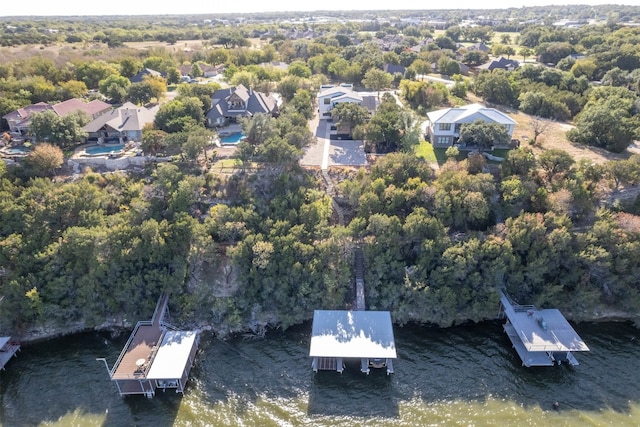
{"points": [[164, 7]]}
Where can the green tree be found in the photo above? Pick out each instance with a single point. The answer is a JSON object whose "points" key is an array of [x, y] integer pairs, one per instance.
{"points": [[72, 89], [448, 66], [349, 114], [383, 130], [63, 131], [259, 128], [245, 78], [475, 57], [303, 103], [92, 72], [196, 71], [129, 67], [146, 90], [484, 134], [153, 140], [114, 87], [605, 122], [496, 87], [197, 142], [377, 80], [180, 115], [288, 86], [299, 69], [555, 163], [525, 52]]}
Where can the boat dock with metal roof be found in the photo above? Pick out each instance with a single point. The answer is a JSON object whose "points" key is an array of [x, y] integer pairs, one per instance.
{"points": [[352, 334], [344, 334], [8, 349], [156, 356], [540, 337]]}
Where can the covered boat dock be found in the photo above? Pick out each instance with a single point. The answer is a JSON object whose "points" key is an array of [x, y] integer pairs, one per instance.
{"points": [[540, 337], [341, 334], [8, 349], [156, 356]]}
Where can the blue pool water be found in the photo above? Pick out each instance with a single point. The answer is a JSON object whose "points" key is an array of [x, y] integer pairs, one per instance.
{"points": [[104, 149], [232, 138], [16, 150]]}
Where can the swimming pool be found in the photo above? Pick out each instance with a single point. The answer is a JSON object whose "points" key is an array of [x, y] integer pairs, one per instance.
{"points": [[16, 150], [104, 149], [232, 138]]}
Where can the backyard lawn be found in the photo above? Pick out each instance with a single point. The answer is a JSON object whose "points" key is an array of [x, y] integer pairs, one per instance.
{"points": [[425, 151]]}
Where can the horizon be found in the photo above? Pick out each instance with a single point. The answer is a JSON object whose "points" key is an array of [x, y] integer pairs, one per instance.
{"points": [[164, 7]]}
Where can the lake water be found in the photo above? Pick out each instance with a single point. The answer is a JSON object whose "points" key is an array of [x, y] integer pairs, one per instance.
{"points": [[466, 375]]}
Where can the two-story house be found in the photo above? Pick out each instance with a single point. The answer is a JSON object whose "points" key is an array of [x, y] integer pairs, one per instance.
{"points": [[20, 119], [444, 125], [229, 104], [330, 96]]}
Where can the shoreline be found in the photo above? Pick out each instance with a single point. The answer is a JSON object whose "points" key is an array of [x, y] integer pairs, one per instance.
{"points": [[44, 334]]}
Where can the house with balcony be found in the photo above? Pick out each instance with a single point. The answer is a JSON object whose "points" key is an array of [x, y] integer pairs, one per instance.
{"points": [[444, 125], [330, 96], [227, 105]]}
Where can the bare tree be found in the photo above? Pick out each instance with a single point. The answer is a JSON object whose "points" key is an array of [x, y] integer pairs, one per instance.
{"points": [[539, 126]]}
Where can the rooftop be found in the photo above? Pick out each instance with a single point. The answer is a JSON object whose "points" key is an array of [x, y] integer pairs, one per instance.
{"points": [[356, 334], [543, 330], [172, 355]]}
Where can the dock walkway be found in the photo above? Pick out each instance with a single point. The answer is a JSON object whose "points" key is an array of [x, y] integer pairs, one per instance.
{"points": [[352, 334], [360, 303]]}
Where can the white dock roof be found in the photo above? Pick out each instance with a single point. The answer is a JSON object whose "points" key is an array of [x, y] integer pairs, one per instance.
{"points": [[543, 330], [4, 341], [172, 356], [357, 334]]}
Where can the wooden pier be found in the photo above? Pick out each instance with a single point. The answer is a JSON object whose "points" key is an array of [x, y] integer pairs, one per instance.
{"points": [[156, 356], [540, 337]]}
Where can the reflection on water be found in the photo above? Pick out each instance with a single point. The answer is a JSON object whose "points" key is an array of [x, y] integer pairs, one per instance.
{"points": [[466, 375]]}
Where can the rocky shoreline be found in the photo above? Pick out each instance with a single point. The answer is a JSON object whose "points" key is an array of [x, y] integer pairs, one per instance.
{"points": [[117, 327]]}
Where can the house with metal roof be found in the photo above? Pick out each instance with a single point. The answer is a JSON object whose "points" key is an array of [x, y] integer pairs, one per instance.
{"points": [[121, 124], [338, 335], [227, 105], [444, 125]]}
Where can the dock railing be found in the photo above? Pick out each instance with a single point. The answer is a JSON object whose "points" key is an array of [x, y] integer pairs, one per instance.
{"points": [[126, 346], [514, 305]]}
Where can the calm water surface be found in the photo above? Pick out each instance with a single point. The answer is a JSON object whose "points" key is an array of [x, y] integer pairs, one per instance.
{"points": [[466, 375]]}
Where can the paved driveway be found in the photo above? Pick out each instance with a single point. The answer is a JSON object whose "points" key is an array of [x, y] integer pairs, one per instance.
{"points": [[325, 152]]}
